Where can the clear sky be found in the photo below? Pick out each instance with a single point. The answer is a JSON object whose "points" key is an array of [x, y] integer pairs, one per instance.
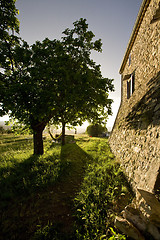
{"points": [[110, 20]]}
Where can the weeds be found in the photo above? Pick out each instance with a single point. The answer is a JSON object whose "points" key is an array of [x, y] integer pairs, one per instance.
{"points": [[51, 232], [21, 172], [85, 174], [103, 194], [116, 236]]}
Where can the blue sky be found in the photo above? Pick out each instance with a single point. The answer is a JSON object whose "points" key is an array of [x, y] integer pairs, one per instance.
{"points": [[110, 20]]}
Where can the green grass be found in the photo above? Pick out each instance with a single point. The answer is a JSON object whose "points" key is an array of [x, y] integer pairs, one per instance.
{"points": [[104, 193], [71, 192], [21, 172]]}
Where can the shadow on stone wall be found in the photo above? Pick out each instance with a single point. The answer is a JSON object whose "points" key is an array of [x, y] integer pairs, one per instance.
{"points": [[147, 110]]}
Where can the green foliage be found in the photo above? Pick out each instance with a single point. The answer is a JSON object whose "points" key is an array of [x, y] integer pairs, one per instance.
{"points": [[8, 24], [103, 191], [116, 236], [18, 128], [55, 80], [36, 188], [8, 19], [48, 232], [2, 130], [95, 130], [51, 232], [22, 172]]}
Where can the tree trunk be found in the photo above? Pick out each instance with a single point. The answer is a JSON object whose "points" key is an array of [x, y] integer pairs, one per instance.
{"points": [[63, 134], [38, 139]]}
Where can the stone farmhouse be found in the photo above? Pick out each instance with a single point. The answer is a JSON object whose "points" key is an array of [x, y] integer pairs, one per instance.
{"points": [[135, 138]]}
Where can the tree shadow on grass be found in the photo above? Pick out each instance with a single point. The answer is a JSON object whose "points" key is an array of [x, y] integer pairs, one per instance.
{"points": [[147, 110], [30, 198], [84, 139], [13, 180], [74, 161]]}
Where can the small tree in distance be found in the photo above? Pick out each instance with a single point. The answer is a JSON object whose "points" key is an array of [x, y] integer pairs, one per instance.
{"points": [[95, 130]]}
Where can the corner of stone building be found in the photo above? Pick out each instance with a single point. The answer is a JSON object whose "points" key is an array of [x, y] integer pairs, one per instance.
{"points": [[136, 145], [135, 138]]}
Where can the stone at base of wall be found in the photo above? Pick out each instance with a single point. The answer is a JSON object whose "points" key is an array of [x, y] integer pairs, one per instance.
{"points": [[154, 216], [145, 218], [127, 228]]}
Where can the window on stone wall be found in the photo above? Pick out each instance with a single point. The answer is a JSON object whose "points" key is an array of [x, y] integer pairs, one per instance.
{"points": [[133, 82], [128, 89], [131, 85]]}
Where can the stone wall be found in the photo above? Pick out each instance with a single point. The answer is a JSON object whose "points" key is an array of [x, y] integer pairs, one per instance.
{"points": [[135, 139]]}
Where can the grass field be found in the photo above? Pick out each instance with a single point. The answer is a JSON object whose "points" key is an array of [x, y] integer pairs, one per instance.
{"points": [[71, 192]]}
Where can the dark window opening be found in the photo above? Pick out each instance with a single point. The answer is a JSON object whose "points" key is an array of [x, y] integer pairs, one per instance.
{"points": [[131, 85], [128, 89], [133, 82]]}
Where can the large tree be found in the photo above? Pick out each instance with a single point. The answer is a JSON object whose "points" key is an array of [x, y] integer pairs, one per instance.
{"points": [[8, 18], [9, 24], [55, 80], [29, 90], [84, 93]]}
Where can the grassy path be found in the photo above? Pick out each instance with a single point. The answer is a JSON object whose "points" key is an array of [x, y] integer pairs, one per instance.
{"points": [[37, 193], [50, 204]]}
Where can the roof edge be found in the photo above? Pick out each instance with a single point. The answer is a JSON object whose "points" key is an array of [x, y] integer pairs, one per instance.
{"points": [[136, 27]]}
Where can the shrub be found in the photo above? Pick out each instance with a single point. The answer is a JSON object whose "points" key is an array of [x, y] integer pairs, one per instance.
{"points": [[95, 130], [2, 130]]}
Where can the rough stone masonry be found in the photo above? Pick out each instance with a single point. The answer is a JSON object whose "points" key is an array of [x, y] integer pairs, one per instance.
{"points": [[135, 138]]}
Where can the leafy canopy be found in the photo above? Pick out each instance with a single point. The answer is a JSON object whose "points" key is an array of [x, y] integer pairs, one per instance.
{"points": [[84, 92], [8, 24], [8, 17], [30, 89], [56, 80]]}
